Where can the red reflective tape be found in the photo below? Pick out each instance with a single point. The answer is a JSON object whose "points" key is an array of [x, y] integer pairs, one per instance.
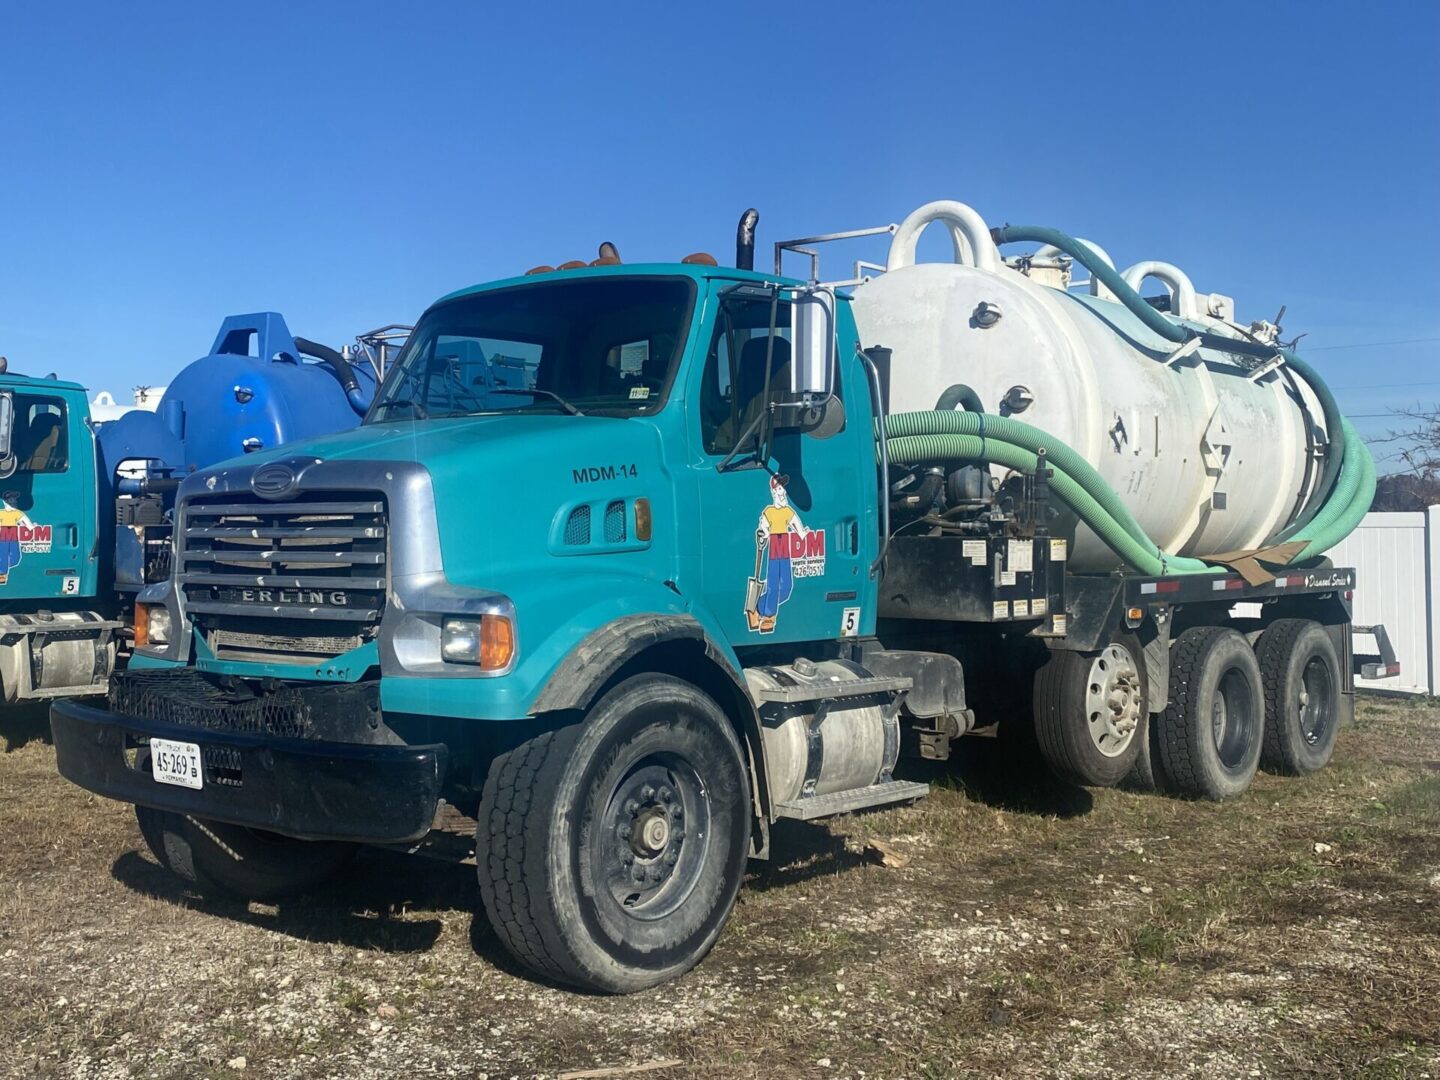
{"points": [[1167, 586]]}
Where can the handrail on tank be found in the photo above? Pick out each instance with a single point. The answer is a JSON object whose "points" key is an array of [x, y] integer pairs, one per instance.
{"points": [[968, 233], [1183, 301]]}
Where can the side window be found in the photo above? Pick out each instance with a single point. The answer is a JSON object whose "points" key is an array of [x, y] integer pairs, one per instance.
{"points": [[41, 441], [733, 392]]}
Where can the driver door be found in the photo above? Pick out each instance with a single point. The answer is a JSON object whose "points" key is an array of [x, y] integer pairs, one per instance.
{"points": [[779, 536]]}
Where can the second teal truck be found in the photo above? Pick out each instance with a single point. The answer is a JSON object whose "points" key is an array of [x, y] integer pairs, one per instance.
{"points": [[721, 548]]}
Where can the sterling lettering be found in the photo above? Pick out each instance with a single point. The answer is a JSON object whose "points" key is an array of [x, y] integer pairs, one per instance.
{"points": [[307, 597]]}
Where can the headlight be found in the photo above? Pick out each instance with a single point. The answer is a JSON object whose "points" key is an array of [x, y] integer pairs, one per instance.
{"points": [[488, 642], [152, 625]]}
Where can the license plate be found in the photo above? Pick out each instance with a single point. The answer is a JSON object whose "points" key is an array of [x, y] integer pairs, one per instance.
{"points": [[176, 763]]}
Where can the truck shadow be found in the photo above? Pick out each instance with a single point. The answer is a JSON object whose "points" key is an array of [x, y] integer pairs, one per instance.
{"points": [[986, 771], [24, 724], [385, 901], [799, 852], [981, 769]]}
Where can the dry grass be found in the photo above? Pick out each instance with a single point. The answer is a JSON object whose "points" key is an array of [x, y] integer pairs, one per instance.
{"points": [[1037, 931]]}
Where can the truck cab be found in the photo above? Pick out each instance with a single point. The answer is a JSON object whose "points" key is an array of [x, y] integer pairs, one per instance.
{"points": [[658, 506], [52, 636]]}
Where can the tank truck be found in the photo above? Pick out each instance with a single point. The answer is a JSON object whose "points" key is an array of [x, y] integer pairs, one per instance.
{"points": [[719, 548], [86, 503]]}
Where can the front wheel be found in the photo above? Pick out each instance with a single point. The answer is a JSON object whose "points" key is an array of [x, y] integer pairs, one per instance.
{"points": [[610, 852]]}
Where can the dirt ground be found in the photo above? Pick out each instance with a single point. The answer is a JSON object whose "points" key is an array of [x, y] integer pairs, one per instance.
{"points": [[1036, 931]]}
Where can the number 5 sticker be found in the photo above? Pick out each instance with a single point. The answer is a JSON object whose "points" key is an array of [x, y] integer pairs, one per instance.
{"points": [[850, 622], [70, 586]]}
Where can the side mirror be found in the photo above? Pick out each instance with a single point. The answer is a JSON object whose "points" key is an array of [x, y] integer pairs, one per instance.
{"points": [[812, 344], [7, 422]]}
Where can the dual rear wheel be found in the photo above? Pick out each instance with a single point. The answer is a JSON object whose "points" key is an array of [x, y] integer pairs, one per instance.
{"points": [[1231, 708]]}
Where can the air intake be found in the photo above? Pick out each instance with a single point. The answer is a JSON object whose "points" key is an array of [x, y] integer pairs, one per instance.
{"points": [[577, 527], [615, 522]]}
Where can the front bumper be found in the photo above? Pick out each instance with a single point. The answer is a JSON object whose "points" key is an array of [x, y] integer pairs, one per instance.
{"points": [[305, 788]]}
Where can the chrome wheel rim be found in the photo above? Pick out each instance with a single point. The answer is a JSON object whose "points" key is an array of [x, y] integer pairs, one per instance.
{"points": [[1114, 700]]}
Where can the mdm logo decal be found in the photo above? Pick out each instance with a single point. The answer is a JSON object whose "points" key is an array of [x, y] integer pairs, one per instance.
{"points": [[784, 550], [19, 536]]}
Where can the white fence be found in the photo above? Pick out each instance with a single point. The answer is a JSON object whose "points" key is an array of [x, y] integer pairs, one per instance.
{"points": [[1397, 561]]}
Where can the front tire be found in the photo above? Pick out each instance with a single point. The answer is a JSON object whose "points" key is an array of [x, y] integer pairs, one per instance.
{"points": [[610, 852], [235, 861], [1302, 696], [1211, 732]]}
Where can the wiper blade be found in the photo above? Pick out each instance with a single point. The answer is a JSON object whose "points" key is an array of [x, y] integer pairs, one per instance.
{"points": [[402, 403], [571, 409]]}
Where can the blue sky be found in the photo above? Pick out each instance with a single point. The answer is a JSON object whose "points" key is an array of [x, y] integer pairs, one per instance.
{"points": [[162, 165]]}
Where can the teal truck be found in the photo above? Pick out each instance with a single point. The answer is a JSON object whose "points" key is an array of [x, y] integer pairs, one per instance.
{"points": [[58, 635], [721, 548]]}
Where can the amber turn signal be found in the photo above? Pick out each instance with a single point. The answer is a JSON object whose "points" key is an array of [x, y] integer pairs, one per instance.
{"points": [[142, 625], [642, 519], [497, 642]]}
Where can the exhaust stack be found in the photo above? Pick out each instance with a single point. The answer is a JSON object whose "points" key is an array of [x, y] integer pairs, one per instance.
{"points": [[745, 239]]}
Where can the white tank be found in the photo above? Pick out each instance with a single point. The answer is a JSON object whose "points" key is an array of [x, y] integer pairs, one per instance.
{"points": [[1208, 457], [104, 407]]}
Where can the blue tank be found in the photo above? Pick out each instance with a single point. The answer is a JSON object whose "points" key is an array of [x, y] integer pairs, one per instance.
{"points": [[254, 391]]}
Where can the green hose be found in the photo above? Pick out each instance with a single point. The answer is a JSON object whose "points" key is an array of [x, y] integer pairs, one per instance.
{"points": [[1170, 331], [926, 438], [1348, 504], [1003, 429], [933, 449]]}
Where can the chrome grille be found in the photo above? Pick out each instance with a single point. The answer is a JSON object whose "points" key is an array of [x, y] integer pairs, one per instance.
{"points": [[313, 567]]}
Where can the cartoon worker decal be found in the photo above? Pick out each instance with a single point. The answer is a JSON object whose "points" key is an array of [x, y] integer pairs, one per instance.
{"points": [[10, 521], [784, 550], [19, 536]]}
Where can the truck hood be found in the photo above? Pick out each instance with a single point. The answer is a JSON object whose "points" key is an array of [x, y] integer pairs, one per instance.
{"points": [[437, 442], [432, 441], [479, 463]]}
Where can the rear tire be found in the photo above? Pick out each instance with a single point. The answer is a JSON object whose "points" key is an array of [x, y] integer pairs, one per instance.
{"points": [[1301, 675], [1089, 708], [232, 860], [1148, 772], [610, 852], [1211, 733]]}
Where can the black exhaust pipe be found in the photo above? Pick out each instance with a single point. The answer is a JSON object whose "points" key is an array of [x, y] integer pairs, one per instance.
{"points": [[745, 239]]}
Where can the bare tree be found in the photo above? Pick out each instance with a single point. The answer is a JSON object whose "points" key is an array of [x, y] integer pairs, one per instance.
{"points": [[1413, 480]]}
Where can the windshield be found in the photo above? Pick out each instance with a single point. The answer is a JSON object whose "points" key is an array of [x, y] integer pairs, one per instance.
{"points": [[605, 345]]}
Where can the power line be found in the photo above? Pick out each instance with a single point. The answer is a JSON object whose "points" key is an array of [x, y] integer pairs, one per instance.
{"points": [[1387, 385], [1373, 344]]}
